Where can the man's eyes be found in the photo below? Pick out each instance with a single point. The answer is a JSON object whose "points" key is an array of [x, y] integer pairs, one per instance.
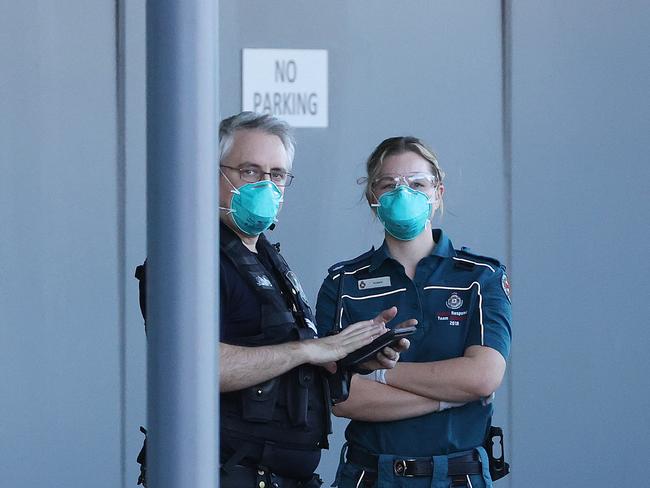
{"points": [[249, 172]]}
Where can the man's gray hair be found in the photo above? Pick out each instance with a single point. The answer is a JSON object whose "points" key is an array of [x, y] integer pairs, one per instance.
{"points": [[251, 120]]}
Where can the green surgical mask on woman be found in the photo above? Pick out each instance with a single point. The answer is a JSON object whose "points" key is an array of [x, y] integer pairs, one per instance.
{"points": [[404, 212]]}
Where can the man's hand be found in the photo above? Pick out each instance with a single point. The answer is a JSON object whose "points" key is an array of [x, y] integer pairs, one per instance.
{"points": [[241, 367], [332, 348]]}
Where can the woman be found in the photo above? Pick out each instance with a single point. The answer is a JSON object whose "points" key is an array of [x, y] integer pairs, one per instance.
{"points": [[421, 424]]}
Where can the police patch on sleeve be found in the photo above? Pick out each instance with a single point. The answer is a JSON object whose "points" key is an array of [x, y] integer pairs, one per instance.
{"points": [[505, 284]]}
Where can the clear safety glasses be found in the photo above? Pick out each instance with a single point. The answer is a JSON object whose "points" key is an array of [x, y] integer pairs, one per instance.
{"points": [[417, 181]]}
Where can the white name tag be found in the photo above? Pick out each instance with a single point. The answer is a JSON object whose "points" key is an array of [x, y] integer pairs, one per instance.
{"points": [[374, 283]]}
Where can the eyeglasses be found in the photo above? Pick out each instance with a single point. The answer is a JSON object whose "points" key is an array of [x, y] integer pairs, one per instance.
{"points": [[416, 181], [252, 174]]}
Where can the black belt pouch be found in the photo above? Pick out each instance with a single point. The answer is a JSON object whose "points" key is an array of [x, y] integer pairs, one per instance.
{"points": [[258, 401]]}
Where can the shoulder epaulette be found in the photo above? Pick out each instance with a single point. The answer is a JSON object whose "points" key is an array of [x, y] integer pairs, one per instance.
{"points": [[464, 256], [345, 265]]}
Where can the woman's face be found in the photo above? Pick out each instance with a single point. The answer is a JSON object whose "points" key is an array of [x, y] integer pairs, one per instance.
{"points": [[408, 164]]}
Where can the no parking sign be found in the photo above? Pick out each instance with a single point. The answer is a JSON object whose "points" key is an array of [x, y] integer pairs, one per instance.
{"points": [[290, 84]]}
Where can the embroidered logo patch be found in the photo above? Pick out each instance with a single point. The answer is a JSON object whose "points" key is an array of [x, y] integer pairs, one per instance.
{"points": [[454, 318], [454, 302], [505, 284], [263, 281]]}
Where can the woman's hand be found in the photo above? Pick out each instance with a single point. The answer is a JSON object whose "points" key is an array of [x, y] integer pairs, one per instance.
{"points": [[387, 358]]}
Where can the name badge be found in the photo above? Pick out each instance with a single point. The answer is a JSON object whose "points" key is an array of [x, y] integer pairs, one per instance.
{"points": [[374, 283]]}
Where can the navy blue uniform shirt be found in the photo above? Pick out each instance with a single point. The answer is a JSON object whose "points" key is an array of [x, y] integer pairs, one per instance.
{"points": [[459, 300], [241, 316], [240, 305]]}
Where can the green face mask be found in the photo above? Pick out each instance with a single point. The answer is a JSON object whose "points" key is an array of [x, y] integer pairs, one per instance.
{"points": [[404, 212], [254, 206]]}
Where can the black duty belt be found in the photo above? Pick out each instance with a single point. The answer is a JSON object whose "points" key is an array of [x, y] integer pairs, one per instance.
{"points": [[260, 477], [410, 466]]}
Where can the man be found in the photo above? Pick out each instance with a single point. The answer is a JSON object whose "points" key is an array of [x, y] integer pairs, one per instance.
{"points": [[275, 402]]}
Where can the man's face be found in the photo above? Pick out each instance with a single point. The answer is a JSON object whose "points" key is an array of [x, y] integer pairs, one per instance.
{"points": [[250, 149]]}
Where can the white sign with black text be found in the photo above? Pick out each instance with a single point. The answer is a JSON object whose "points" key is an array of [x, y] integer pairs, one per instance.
{"points": [[288, 83]]}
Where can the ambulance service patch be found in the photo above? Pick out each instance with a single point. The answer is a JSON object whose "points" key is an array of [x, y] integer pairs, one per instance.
{"points": [[505, 284], [454, 302]]}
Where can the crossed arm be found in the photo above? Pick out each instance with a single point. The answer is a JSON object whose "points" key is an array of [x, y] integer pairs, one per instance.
{"points": [[414, 389]]}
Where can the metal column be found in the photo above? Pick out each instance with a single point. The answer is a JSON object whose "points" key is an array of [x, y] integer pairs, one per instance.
{"points": [[182, 242]]}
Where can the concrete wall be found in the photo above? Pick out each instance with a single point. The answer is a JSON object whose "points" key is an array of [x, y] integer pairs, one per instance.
{"points": [[60, 251], [581, 215], [547, 171], [72, 213]]}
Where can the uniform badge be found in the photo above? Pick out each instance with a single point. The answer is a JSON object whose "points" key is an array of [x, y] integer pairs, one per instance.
{"points": [[505, 284], [263, 281], [378, 282], [291, 276], [454, 302]]}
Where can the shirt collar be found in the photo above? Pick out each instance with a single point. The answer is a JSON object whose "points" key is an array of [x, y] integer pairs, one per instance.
{"points": [[443, 248]]}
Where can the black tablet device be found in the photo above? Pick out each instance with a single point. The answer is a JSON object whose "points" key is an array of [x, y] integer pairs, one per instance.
{"points": [[369, 351]]}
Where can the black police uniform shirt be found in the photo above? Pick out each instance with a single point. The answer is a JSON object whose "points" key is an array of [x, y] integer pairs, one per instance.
{"points": [[240, 316], [459, 300]]}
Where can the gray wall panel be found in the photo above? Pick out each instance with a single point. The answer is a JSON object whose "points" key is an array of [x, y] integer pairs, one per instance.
{"points": [[581, 209], [135, 232], [58, 292]]}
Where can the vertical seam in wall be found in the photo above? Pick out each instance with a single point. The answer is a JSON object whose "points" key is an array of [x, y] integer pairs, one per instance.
{"points": [[506, 108], [121, 221]]}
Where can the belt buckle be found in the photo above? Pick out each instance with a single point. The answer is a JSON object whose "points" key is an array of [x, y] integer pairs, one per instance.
{"points": [[400, 467]]}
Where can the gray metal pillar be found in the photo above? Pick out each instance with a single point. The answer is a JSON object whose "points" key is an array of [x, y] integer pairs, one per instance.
{"points": [[182, 242]]}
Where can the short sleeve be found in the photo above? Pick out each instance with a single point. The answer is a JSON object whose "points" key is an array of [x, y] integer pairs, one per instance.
{"points": [[492, 326], [326, 307]]}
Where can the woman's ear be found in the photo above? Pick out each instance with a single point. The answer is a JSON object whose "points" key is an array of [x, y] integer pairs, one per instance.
{"points": [[439, 192], [372, 201]]}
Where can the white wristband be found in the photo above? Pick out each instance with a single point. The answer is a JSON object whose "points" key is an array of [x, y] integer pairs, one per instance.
{"points": [[448, 405], [487, 400], [378, 375]]}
